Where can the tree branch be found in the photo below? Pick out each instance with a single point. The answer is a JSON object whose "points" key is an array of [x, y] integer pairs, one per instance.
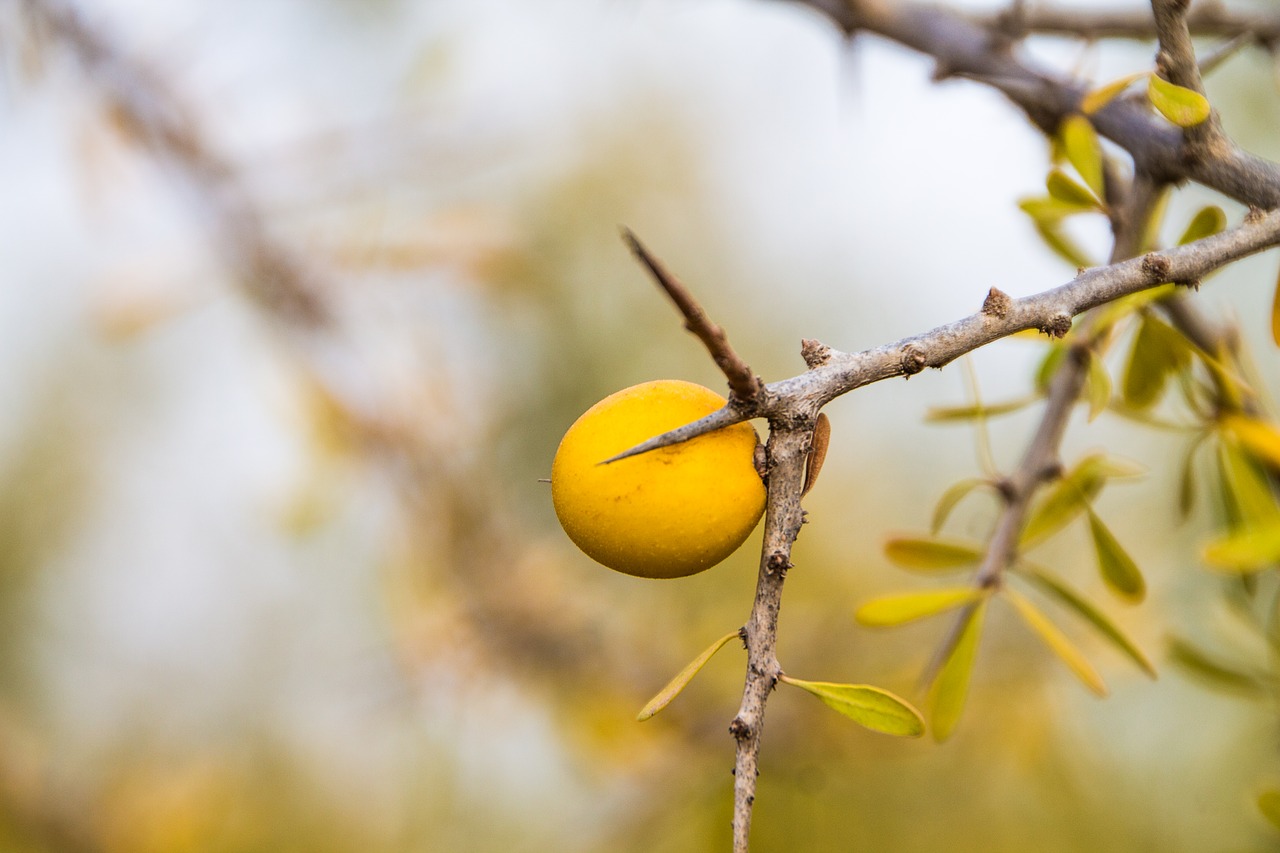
{"points": [[1206, 19], [744, 384]]}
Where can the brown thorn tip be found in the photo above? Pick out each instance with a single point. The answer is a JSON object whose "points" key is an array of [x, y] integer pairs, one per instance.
{"points": [[997, 303], [913, 360], [814, 353], [1058, 325]]}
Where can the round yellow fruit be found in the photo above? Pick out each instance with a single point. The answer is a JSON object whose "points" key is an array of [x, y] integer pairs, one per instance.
{"points": [[668, 513]]}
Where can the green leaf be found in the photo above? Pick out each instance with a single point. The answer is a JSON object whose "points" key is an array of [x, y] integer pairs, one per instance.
{"points": [[677, 684], [1275, 314], [913, 552], [1097, 385], [870, 707], [1187, 477], [1049, 211], [1209, 221], [1062, 245], [1103, 95], [1117, 567], [938, 414], [1259, 437], [903, 607], [1269, 805], [1062, 188], [1247, 497], [1248, 550], [1072, 493], [950, 498], [1084, 151], [950, 689], [1181, 106], [1049, 366], [1158, 351], [1073, 600], [1216, 673], [1056, 641]]}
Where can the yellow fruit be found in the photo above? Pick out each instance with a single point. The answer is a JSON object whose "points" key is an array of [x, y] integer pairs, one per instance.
{"points": [[667, 513]]}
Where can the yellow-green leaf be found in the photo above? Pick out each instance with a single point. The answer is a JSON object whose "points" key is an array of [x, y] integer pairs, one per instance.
{"points": [[1247, 497], [1084, 151], [1180, 105], [903, 607], [1117, 567], [1062, 245], [1187, 478], [870, 707], [1275, 314], [1097, 385], [950, 689], [1158, 351], [1269, 805], [1103, 95], [675, 685], [1049, 366], [1064, 189], [1212, 671], [912, 552], [1209, 221], [1248, 550], [952, 496], [1071, 494], [982, 410], [1260, 438], [1056, 641], [1073, 600], [1048, 211]]}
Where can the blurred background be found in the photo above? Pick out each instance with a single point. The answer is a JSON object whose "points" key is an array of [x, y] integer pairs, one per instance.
{"points": [[296, 300]]}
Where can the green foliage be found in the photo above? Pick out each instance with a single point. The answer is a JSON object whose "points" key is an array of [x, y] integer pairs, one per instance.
{"points": [[1077, 603], [1071, 494], [682, 679], [1098, 98], [939, 414], [1097, 385], [949, 690], [870, 707], [1158, 352], [1213, 671], [1207, 222], [1181, 106], [1065, 190], [951, 498], [924, 554], [904, 607], [1057, 641], [1083, 150], [1118, 569]]}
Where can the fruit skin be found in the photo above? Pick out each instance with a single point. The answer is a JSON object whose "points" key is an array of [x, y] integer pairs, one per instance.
{"points": [[668, 513]]}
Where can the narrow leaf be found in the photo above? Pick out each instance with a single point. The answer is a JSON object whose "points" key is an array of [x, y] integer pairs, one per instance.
{"points": [[1213, 671], [1056, 641], [1073, 600], [677, 684], [903, 607], [951, 687], [1247, 496], [938, 414], [950, 498], [1248, 550], [1260, 438], [1209, 221], [1275, 314], [1103, 95], [1097, 385], [1269, 805], [931, 554], [1067, 191], [1062, 245], [817, 451], [870, 707], [1187, 477], [1118, 569], [1049, 366], [1181, 106], [1158, 351], [1049, 211], [1065, 500], [1080, 143]]}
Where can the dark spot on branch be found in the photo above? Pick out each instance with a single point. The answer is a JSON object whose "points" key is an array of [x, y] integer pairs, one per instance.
{"points": [[739, 729], [1254, 216], [997, 303], [814, 353], [1057, 326], [913, 360], [777, 563], [1156, 266]]}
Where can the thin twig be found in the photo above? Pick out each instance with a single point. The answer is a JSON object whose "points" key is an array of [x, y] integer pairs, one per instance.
{"points": [[744, 385]]}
